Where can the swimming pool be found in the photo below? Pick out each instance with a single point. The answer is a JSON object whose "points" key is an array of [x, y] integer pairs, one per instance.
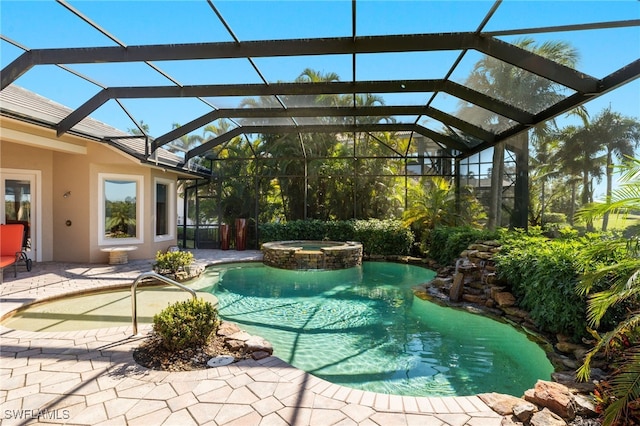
{"points": [[360, 327], [364, 328]]}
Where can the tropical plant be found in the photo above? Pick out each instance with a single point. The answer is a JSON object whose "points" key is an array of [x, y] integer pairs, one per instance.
{"points": [[548, 183], [620, 135], [525, 91], [185, 142], [620, 270], [580, 155], [327, 176], [433, 203], [543, 273], [582, 152], [172, 262], [235, 185], [120, 219], [141, 129]]}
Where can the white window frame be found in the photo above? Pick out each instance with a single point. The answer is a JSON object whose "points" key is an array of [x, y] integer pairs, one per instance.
{"points": [[171, 209], [139, 180]]}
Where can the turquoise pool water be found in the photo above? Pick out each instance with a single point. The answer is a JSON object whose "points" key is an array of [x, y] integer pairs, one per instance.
{"points": [[363, 328]]}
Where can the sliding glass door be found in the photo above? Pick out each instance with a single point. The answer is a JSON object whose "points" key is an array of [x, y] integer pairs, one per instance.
{"points": [[19, 205]]}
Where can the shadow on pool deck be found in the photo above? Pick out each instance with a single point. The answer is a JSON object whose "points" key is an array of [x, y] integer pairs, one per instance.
{"points": [[89, 377]]}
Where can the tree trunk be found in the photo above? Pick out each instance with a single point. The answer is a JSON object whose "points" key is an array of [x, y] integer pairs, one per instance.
{"points": [[572, 208], [495, 202], [586, 197], [542, 201], [605, 218], [520, 214]]}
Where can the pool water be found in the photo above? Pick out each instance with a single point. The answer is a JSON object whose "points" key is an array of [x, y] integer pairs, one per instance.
{"points": [[106, 309], [364, 328]]}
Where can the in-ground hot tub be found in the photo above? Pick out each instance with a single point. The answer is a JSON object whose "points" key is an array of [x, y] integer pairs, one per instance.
{"points": [[328, 255]]}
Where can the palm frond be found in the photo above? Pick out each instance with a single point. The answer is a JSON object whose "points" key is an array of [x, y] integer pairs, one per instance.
{"points": [[624, 288], [612, 251], [604, 343], [622, 201], [625, 387]]}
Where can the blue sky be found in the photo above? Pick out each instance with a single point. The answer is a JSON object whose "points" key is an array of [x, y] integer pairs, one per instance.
{"points": [[46, 24]]}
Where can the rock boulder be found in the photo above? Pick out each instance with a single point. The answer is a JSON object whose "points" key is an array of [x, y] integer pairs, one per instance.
{"points": [[501, 403], [554, 396]]}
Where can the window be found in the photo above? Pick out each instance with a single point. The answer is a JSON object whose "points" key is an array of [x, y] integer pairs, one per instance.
{"points": [[120, 209], [165, 194], [162, 216]]}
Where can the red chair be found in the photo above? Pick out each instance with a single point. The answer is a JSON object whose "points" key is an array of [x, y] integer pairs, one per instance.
{"points": [[11, 237]]}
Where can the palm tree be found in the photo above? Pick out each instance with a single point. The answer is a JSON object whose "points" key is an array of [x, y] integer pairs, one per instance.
{"points": [[623, 279], [620, 136], [525, 91], [587, 149], [579, 154], [293, 151], [136, 131], [374, 189], [542, 171], [433, 203], [120, 219], [309, 75], [544, 165], [183, 145], [185, 142], [307, 164]]}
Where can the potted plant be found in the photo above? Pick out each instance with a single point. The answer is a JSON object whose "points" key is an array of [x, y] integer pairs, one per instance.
{"points": [[173, 262]]}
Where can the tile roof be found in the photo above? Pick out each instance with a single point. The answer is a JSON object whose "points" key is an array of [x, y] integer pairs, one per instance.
{"points": [[18, 102]]}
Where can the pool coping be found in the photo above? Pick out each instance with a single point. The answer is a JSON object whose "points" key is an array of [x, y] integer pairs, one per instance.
{"points": [[90, 377]]}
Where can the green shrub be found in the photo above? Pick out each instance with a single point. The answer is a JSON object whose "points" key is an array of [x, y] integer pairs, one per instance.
{"points": [[307, 229], [172, 262], [378, 237], [295, 230], [555, 218], [543, 274], [559, 230], [272, 231], [339, 230], [444, 244], [383, 237], [186, 324]]}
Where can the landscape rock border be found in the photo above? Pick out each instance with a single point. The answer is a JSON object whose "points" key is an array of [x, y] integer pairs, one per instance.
{"points": [[239, 340], [548, 403]]}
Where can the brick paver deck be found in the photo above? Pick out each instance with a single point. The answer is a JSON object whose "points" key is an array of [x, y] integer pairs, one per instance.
{"points": [[89, 377]]}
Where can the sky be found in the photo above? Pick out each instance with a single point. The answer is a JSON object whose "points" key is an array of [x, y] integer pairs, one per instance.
{"points": [[47, 24]]}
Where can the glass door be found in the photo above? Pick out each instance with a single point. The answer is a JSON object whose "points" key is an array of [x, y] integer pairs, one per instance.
{"points": [[19, 205]]}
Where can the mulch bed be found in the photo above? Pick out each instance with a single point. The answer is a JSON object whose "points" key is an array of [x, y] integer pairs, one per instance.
{"points": [[152, 354]]}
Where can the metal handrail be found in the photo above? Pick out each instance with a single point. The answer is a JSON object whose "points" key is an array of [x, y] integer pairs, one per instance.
{"points": [[134, 302]]}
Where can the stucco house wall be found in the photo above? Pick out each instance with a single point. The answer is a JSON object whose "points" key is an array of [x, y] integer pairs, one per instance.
{"points": [[69, 169], [17, 157]]}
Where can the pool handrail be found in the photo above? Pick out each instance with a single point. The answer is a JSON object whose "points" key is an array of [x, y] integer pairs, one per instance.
{"points": [[134, 301]]}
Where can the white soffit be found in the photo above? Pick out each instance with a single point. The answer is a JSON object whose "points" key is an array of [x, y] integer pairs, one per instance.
{"points": [[16, 136]]}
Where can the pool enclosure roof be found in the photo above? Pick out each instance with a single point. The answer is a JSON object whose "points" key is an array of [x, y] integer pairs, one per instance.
{"points": [[375, 66]]}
